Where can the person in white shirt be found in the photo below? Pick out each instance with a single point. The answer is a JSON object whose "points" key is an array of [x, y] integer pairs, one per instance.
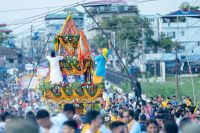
{"points": [[67, 114], [133, 125], [46, 125], [55, 72]]}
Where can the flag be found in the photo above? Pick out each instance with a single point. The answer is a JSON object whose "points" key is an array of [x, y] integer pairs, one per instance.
{"points": [[83, 49]]}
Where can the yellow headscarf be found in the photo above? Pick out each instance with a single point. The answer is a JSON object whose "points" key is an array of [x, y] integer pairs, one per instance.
{"points": [[105, 52]]}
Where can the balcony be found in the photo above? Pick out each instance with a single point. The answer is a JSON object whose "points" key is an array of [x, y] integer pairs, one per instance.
{"points": [[114, 9]]}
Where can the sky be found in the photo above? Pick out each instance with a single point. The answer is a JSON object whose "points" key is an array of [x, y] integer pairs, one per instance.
{"points": [[12, 18]]}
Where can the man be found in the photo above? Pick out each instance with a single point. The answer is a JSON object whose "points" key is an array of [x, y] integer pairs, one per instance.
{"points": [[177, 117], [70, 126], [118, 127], [67, 114], [21, 126], [174, 101], [94, 120], [55, 73], [47, 126], [133, 125], [143, 124]]}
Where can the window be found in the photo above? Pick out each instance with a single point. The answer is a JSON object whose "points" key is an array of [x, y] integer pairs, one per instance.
{"points": [[105, 18], [182, 33], [182, 47], [198, 44], [171, 34], [151, 20], [11, 60]]}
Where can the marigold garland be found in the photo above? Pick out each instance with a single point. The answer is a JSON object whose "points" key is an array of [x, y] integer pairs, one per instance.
{"points": [[86, 97]]}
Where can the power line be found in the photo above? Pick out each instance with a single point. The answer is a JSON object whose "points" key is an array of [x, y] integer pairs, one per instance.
{"points": [[39, 61], [27, 9], [112, 46], [35, 17]]}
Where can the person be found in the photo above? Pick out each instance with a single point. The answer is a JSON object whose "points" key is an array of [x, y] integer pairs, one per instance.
{"points": [[160, 121], [70, 126], [170, 126], [55, 72], [47, 126], [133, 125], [94, 122], [22, 126], [118, 127], [67, 114], [31, 116], [143, 122], [152, 127], [177, 117]]}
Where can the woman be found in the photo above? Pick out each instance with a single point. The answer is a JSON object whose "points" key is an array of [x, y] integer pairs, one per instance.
{"points": [[152, 127]]}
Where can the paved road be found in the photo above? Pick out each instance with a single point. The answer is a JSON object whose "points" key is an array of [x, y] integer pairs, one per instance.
{"points": [[116, 77]]}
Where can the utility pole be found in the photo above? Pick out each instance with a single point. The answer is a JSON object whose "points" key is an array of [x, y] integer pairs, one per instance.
{"points": [[177, 72], [177, 61], [114, 54], [32, 56], [126, 51]]}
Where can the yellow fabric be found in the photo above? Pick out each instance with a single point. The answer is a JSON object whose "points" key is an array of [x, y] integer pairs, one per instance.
{"points": [[196, 108], [113, 118], [105, 52], [107, 102], [164, 103], [86, 128], [97, 79], [188, 102]]}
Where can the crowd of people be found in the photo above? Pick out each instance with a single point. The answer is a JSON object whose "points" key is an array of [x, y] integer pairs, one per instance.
{"points": [[23, 112]]}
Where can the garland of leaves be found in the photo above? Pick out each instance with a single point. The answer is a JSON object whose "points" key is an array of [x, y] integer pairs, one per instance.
{"points": [[81, 92], [70, 65]]}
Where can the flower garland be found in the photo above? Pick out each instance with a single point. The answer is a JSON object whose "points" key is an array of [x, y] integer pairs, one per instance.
{"points": [[71, 67], [86, 96]]}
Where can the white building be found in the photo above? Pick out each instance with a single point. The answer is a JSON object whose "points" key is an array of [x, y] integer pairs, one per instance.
{"points": [[185, 31], [102, 10]]}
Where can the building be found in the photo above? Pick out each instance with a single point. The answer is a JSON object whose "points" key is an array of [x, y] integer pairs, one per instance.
{"points": [[185, 31], [6, 38], [182, 27], [55, 21], [102, 10], [9, 58]]}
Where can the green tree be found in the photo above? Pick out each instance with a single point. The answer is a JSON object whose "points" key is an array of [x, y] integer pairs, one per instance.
{"points": [[126, 28], [101, 41]]}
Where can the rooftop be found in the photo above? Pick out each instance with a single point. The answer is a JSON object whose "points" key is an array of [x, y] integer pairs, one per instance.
{"points": [[114, 9], [75, 14], [8, 52], [5, 31], [3, 25], [179, 13], [105, 2]]}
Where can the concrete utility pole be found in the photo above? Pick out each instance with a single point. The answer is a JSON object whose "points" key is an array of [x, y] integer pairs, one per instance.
{"points": [[177, 61], [32, 54], [143, 68], [114, 54], [177, 72]]}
